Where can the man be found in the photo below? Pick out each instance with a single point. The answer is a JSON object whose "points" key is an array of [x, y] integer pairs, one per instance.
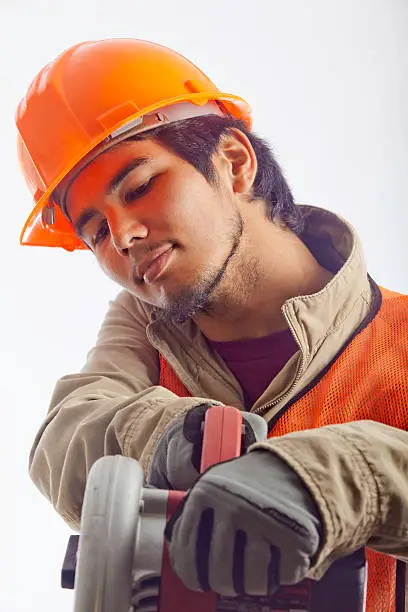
{"points": [[232, 294]]}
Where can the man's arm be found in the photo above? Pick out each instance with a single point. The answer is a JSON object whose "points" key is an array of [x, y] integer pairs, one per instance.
{"points": [[113, 406], [267, 519], [357, 474]]}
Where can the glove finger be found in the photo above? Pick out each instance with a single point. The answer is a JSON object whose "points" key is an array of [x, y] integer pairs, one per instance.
{"points": [[261, 567], [182, 534], [191, 535], [204, 541], [256, 429], [180, 470], [193, 431], [224, 557], [201, 544]]}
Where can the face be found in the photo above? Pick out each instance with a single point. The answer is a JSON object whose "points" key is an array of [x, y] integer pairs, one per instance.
{"points": [[156, 226]]}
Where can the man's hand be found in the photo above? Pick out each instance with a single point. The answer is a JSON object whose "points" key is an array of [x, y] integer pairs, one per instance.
{"points": [[176, 461], [247, 526]]}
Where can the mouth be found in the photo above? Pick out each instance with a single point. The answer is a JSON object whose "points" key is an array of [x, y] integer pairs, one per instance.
{"points": [[151, 267]]}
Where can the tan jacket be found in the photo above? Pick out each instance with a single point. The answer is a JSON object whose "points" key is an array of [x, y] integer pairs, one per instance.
{"points": [[115, 406]]}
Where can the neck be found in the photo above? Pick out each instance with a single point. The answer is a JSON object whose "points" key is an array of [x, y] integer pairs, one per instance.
{"points": [[267, 270]]}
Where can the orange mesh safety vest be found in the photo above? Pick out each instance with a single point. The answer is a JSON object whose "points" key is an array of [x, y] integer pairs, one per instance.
{"points": [[366, 380]]}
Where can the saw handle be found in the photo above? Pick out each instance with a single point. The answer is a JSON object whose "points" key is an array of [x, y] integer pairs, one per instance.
{"points": [[222, 435]]}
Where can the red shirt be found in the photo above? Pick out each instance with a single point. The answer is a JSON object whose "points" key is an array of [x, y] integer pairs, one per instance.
{"points": [[256, 361]]}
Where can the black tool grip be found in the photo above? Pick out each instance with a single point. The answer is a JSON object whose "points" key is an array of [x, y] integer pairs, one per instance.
{"points": [[69, 564], [343, 587]]}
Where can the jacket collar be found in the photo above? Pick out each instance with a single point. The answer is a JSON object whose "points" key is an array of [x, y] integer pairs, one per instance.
{"points": [[320, 322]]}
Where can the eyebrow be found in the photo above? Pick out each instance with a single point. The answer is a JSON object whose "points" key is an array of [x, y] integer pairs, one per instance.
{"points": [[114, 184]]}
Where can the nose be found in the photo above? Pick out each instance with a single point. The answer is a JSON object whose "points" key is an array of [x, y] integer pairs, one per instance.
{"points": [[126, 230]]}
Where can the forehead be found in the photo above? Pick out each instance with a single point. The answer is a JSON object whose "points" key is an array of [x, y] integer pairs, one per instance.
{"points": [[102, 170], [109, 162]]}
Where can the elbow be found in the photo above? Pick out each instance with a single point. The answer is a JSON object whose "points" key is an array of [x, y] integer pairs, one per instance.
{"points": [[51, 480]]}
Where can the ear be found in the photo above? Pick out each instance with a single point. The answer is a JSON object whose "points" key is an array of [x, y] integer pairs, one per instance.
{"points": [[238, 159]]}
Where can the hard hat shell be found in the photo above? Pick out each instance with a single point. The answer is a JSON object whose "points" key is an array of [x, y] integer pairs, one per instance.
{"points": [[82, 100]]}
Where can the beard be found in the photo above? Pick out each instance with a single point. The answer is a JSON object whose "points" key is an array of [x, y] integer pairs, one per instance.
{"points": [[197, 298]]}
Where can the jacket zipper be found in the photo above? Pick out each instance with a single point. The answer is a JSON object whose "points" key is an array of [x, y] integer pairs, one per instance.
{"points": [[264, 409]]}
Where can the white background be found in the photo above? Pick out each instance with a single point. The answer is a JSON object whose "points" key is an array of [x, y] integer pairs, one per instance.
{"points": [[328, 83]]}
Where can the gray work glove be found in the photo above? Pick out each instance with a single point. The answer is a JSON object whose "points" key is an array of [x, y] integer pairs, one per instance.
{"points": [[176, 460], [247, 526]]}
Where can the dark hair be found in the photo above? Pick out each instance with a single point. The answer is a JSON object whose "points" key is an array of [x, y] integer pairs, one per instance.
{"points": [[196, 140]]}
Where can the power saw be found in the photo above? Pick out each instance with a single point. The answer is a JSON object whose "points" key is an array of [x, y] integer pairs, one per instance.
{"points": [[120, 563]]}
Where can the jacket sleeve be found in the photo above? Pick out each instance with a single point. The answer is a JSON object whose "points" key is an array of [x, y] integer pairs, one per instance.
{"points": [[113, 406], [358, 475]]}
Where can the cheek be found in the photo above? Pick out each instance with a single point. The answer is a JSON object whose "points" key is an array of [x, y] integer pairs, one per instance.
{"points": [[208, 224], [182, 201], [114, 266], [192, 213]]}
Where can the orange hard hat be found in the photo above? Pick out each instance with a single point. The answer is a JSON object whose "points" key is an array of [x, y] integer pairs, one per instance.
{"points": [[88, 98]]}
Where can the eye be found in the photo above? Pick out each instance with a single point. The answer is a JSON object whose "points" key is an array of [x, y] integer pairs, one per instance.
{"points": [[135, 194], [101, 234]]}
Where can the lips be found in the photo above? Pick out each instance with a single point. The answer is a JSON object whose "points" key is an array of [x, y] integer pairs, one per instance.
{"points": [[150, 267]]}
